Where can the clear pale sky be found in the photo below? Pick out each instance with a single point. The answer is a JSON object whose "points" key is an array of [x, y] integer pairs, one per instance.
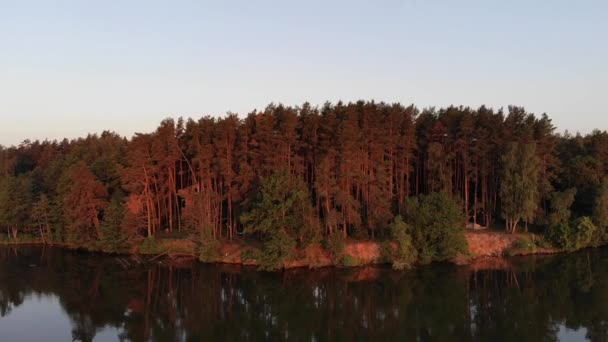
{"points": [[72, 67]]}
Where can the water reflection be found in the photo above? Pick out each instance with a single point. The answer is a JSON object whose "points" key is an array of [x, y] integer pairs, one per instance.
{"points": [[57, 295]]}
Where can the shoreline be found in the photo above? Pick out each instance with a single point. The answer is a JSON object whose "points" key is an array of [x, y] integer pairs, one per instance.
{"points": [[482, 245]]}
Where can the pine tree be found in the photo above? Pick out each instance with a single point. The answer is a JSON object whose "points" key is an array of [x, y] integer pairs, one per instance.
{"points": [[83, 206], [560, 206], [112, 238], [359, 163], [279, 215], [16, 201]]}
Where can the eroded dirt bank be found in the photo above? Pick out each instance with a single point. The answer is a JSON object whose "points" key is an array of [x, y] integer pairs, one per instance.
{"points": [[481, 245]]}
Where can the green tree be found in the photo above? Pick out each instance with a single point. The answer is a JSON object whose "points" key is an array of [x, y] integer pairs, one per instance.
{"points": [[600, 211], [560, 204], [403, 254], [41, 216], [208, 246], [572, 235], [358, 162], [584, 232], [519, 186], [16, 202], [56, 220], [437, 226], [279, 215], [560, 235], [112, 238]]}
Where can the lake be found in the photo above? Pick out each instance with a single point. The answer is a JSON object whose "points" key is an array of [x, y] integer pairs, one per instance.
{"points": [[53, 294]]}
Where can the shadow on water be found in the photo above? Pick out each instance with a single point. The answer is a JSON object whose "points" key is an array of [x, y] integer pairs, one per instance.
{"points": [[101, 298]]}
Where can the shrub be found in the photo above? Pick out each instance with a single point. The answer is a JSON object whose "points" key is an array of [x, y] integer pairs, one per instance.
{"points": [[335, 245], [600, 213], [150, 246], [250, 254], [281, 214], [349, 261], [584, 232], [402, 254], [112, 238], [559, 235], [437, 227], [572, 235], [522, 245], [276, 249], [272, 254], [209, 247], [560, 206]]}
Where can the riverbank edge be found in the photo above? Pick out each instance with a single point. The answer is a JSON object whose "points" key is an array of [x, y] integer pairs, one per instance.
{"points": [[483, 244]]}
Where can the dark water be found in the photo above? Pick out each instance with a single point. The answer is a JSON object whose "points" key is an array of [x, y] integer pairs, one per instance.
{"points": [[57, 295]]}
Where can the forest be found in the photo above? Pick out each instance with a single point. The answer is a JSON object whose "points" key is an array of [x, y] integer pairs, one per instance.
{"points": [[287, 177]]}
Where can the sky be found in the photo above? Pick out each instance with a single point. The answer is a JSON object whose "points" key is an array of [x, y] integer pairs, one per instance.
{"points": [[68, 68]]}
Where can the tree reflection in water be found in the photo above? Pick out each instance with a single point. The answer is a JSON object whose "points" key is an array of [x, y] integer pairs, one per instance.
{"points": [[520, 299]]}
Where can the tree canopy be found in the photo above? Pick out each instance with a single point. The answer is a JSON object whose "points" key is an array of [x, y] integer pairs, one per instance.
{"points": [[310, 173]]}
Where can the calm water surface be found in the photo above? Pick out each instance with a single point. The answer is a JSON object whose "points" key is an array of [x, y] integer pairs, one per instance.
{"points": [[49, 294]]}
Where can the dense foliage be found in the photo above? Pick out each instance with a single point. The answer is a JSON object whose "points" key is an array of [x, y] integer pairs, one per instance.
{"points": [[437, 226], [572, 235], [112, 238], [403, 253], [282, 214], [519, 187], [289, 176]]}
